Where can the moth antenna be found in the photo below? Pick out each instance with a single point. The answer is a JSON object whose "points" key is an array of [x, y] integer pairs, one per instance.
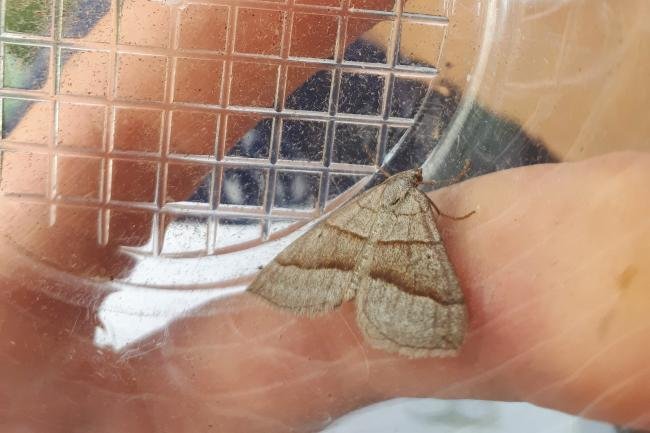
{"points": [[383, 171], [466, 166], [455, 218]]}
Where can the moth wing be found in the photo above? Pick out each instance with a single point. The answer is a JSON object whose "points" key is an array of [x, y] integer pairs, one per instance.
{"points": [[315, 273], [409, 301], [415, 326]]}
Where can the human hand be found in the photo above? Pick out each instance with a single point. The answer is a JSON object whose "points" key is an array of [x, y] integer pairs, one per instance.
{"points": [[554, 268]]}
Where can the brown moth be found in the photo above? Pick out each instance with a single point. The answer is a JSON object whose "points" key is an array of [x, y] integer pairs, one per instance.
{"points": [[382, 249]]}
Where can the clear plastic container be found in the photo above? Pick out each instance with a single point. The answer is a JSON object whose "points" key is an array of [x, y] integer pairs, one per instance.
{"points": [[155, 155]]}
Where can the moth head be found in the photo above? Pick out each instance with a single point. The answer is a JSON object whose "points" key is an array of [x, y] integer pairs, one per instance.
{"points": [[418, 175], [410, 177]]}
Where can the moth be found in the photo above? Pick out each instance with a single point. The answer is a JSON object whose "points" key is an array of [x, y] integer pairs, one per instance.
{"points": [[382, 249]]}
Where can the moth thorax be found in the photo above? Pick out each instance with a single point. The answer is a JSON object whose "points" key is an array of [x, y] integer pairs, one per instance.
{"points": [[396, 190]]}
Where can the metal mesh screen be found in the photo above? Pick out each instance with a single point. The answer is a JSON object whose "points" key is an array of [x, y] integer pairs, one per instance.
{"points": [[258, 163]]}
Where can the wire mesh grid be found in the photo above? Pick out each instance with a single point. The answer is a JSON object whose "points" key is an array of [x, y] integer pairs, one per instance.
{"points": [[41, 56]]}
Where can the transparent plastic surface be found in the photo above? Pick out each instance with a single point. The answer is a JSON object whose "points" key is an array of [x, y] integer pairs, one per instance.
{"points": [[155, 155]]}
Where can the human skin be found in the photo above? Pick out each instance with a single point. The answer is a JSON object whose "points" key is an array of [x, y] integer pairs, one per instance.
{"points": [[554, 266]]}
